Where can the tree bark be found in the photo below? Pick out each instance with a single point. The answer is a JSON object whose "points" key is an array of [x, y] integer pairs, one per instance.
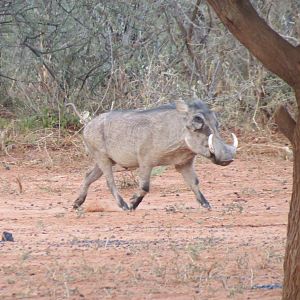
{"points": [[283, 59], [285, 122], [291, 283]]}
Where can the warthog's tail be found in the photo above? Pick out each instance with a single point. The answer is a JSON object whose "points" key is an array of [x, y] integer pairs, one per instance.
{"points": [[84, 117]]}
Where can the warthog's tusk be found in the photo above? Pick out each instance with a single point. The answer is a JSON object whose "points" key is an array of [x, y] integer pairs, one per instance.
{"points": [[235, 141], [210, 144]]}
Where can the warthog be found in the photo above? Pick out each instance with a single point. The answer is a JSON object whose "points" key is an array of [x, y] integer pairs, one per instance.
{"points": [[167, 135]]}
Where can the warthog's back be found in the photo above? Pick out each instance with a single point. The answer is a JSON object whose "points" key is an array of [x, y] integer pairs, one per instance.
{"points": [[127, 136]]}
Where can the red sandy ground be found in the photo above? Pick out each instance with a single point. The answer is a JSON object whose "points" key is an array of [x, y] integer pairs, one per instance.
{"points": [[169, 248]]}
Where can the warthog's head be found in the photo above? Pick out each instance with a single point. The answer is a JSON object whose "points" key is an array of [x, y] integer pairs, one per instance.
{"points": [[202, 134]]}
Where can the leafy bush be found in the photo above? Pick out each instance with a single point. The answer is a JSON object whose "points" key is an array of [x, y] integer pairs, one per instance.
{"points": [[49, 119]]}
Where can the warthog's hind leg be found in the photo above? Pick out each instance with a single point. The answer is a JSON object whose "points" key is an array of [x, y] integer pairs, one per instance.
{"points": [[90, 177], [106, 167], [144, 185], [188, 173]]}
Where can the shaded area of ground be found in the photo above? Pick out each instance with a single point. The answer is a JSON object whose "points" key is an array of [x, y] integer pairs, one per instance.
{"points": [[168, 249]]}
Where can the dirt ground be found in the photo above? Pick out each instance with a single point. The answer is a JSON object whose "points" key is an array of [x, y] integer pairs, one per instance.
{"points": [[169, 248]]}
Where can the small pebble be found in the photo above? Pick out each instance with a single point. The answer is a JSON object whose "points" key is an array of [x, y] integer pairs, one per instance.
{"points": [[268, 286], [7, 237]]}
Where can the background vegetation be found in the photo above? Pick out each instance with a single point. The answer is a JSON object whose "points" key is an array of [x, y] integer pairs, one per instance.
{"points": [[131, 54]]}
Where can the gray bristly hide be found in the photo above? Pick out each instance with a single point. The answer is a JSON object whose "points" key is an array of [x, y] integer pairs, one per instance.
{"points": [[167, 135]]}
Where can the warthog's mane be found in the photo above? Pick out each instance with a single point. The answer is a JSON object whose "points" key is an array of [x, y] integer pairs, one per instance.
{"points": [[195, 105]]}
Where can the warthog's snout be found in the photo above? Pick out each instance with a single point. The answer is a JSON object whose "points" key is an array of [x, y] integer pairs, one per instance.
{"points": [[221, 163], [221, 153]]}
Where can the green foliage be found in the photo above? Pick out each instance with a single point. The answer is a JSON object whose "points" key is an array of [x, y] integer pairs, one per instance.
{"points": [[49, 119], [157, 171], [26, 123], [4, 123]]}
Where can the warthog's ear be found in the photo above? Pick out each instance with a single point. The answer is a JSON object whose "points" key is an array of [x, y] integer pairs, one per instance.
{"points": [[181, 106]]}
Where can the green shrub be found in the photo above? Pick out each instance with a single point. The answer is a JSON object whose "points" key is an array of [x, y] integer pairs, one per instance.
{"points": [[49, 119]]}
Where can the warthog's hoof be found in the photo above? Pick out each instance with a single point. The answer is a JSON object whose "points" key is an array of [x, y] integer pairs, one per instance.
{"points": [[135, 201], [76, 205], [206, 205], [78, 202], [123, 205], [204, 202], [132, 207]]}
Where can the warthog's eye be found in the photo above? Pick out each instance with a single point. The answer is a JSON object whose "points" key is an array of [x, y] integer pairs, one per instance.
{"points": [[198, 119], [197, 122]]}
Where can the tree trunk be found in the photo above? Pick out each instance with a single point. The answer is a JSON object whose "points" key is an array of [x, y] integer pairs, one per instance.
{"points": [[283, 59], [291, 284]]}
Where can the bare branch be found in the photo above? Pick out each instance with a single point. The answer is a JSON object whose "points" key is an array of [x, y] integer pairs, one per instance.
{"points": [[276, 54], [285, 122], [51, 72]]}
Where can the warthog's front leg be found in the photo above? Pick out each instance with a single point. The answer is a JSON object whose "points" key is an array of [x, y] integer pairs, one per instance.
{"points": [[144, 185], [188, 173], [90, 177]]}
